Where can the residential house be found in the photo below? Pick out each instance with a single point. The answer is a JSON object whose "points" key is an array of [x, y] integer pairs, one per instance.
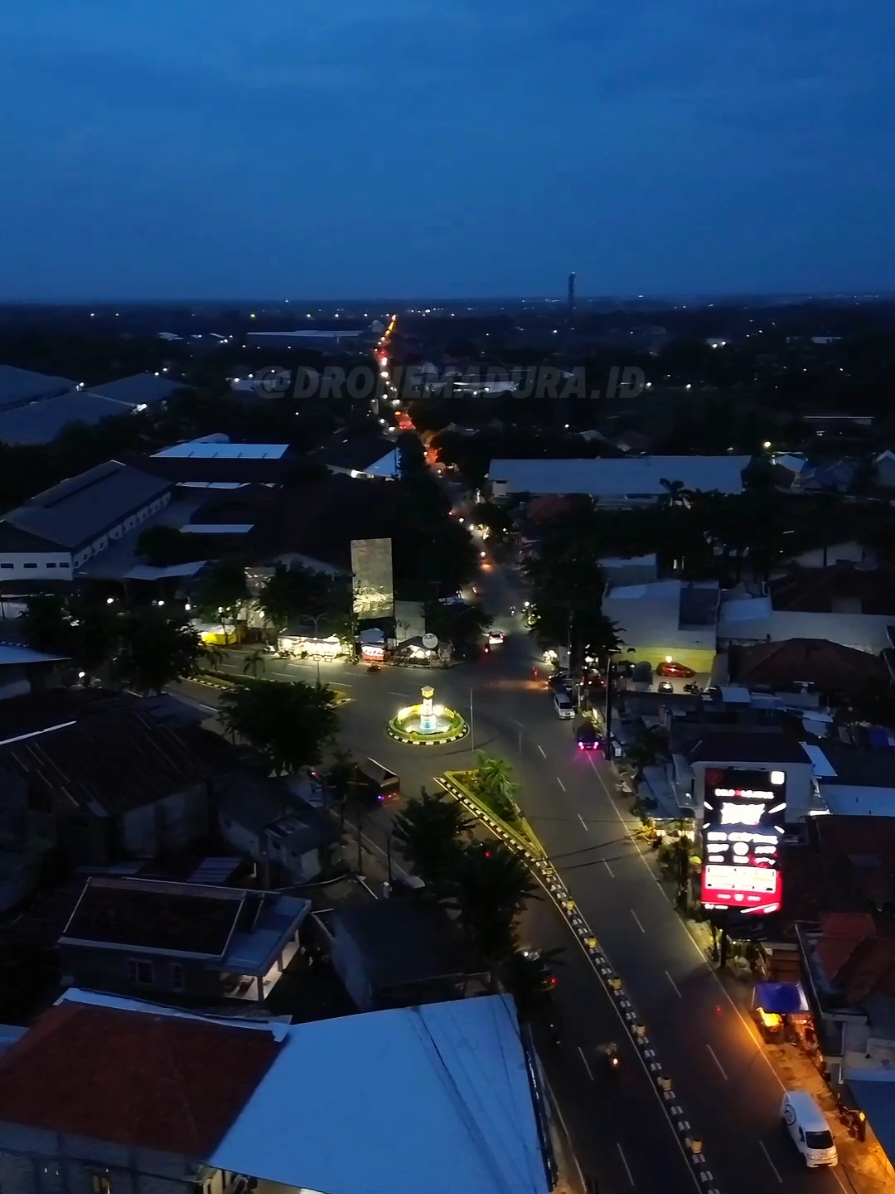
{"points": [[151, 937], [399, 953], [629, 570], [826, 666], [760, 749], [286, 837], [632, 481], [884, 465], [112, 1094], [54, 533]]}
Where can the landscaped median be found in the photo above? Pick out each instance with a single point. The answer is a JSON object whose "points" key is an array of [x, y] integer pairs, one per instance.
{"points": [[221, 681], [462, 785]]}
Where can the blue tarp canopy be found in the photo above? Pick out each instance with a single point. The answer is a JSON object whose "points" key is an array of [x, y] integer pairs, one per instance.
{"points": [[782, 998]]}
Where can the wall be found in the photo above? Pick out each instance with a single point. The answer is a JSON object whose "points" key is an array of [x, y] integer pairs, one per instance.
{"points": [[33, 1161], [36, 565], [109, 970], [101, 542], [171, 824], [350, 965], [820, 557]]}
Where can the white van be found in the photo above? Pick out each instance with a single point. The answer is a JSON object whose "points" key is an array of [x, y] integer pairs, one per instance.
{"points": [[563, 705], [806, 1124]]}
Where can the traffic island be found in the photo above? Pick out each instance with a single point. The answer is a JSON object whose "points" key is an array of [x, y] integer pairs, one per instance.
{"points": [[427, 724]]}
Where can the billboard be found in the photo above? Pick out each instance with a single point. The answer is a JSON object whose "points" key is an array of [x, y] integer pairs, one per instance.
{"points": [[742, 827], [371, 566]]}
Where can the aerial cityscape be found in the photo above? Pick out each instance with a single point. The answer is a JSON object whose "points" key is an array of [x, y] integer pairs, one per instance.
{"points": [[447, 737]]}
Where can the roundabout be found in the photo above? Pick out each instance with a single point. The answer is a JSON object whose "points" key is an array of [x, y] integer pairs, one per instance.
{"points": [[427, 724]]}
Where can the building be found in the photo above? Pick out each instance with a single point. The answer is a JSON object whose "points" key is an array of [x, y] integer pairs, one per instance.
{"points": [[19, 387], [371, 456], [632, 481], [825, 666], [318, 339], [398, 953], [141, 390], [99, 777], [113, 1094], [41, 421], [263, 821], [54, 533], [23, 671], [149, 937], [667, 619], [629, 570]]}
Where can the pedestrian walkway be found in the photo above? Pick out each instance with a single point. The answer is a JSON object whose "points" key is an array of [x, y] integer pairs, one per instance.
{"points": [[864, 1167]]}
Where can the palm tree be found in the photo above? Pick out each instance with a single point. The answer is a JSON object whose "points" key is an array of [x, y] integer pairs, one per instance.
{"points": [[677, 494], [212, 655], [428, 832], [254, 663], [493, 785], [490, 886]]}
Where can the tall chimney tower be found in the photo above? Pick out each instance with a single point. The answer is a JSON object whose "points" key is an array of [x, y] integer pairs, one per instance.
{"points": [[571, 311]]}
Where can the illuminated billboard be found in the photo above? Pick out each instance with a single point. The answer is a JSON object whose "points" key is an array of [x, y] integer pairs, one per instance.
{"points": [[742, 827], [371, 565]]}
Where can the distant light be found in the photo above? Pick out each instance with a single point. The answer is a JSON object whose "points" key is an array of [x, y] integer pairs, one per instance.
{"points": [[81, 675], [687, 386], [187, 607], [766, 444], [161, 603], [110, 600], [668, 659], [253, 316]]}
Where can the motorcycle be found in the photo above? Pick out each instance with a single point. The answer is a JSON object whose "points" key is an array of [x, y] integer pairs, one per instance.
{"points": [[695, 689], [374, 667]]}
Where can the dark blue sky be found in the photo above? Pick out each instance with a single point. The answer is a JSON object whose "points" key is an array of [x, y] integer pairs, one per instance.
{"points": [[276, 148]]}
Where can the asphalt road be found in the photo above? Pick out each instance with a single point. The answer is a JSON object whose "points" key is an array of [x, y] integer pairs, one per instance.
{"points": [[728, 1089]]}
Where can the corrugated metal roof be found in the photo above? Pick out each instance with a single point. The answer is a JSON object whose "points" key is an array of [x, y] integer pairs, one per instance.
{"points": [[639, 476], [83, 507], [204, 450], [23, 385]]}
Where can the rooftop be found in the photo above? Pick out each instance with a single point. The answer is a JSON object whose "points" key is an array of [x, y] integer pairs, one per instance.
{"points": [[359, 454], [748, 747], [156, 915], [18, 386], [205, 450], [77, 510], [639, 476], [41, 421], [830, 666], [457, 1071], [135, 1078], [837, 590], [140, 389], [14, 654], [103, 755]]}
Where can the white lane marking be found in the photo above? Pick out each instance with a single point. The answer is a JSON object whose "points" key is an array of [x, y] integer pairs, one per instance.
{"points": [[637, 921], [561, 784], [288, 675], [608, 868], [625, 1163], [716, 1061], [583, 823], [674, 984], [404, 695], [761, 1145], [586, 1066], [541, 749]]}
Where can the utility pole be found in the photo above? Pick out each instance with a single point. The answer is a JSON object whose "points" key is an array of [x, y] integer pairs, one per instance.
{"points": [[607, 741], [471, 721]]}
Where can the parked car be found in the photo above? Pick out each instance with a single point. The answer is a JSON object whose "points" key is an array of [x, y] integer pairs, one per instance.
{"points": [[679, 670], [558, 682], [665, 686], [562, 703], [805, 1124]]}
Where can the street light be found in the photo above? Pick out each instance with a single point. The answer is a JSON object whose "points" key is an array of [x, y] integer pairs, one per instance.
{"points": [[316, 621]]}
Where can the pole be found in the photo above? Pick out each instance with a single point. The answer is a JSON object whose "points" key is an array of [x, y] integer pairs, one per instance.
{"points": [[388, 858], [471, 721], [607, 748]]}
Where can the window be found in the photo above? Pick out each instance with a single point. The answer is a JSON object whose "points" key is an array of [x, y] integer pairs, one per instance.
{"points": [[50, 564], [141, 972], [177, 976], [7, 565], [65, 565], [29, 565]]}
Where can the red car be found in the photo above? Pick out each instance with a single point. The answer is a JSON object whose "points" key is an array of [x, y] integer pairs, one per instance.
{"points": [[670, 668]]}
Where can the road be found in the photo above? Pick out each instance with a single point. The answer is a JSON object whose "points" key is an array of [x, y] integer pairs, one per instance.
{"points": [[727, 1087]]}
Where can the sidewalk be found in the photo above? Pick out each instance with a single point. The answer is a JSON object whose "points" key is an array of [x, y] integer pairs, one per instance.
{"points": [[863, 1166]]}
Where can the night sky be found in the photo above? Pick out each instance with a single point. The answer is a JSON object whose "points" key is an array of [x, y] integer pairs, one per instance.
{"points": [[276, 148]]}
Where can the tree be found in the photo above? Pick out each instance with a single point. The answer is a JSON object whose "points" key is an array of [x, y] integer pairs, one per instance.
{"points": [[84, 629], [644, 750], [221, 593], [411, 457], [493, 785], [254, 663], [164, 547], [458, 623], [489, 889], [156, 649], [47, 625], [286, 723], [428, 831]]}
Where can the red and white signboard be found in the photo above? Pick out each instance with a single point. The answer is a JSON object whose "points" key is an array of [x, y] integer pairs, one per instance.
{"points": [[742, 825], [751, 888]]}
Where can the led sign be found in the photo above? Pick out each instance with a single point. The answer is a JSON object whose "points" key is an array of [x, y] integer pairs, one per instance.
{"points": [[742, 825]]}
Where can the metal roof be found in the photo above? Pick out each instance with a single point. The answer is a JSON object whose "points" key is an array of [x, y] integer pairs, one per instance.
{"points": [[140, 388], [639, 476], [81, 508], [40, 421], [19, 386], [204, 450]]}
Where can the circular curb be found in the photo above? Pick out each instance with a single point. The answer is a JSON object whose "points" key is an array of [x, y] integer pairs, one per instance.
{"points": [[442, 740]]}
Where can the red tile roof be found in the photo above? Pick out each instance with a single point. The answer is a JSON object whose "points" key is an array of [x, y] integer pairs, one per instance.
{"points": [[858, 953], [134, 1078]]}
